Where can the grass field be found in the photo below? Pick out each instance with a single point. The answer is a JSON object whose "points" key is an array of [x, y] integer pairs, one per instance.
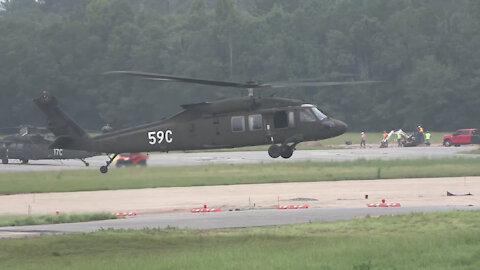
{"points": [[52, 219], [449, 240], [338, 142], [128, 178]]}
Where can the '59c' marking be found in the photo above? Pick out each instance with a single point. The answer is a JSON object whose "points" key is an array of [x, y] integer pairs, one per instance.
{"points": [[160, 136]]}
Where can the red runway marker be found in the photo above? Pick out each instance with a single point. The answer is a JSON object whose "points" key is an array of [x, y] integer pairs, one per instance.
{"points": [[204, 210], [291, 206]]}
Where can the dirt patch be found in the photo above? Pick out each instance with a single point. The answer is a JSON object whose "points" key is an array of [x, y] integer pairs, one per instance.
{"points": [[408, 192]]}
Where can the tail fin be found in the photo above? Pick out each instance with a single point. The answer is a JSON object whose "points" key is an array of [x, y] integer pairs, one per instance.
{"points": [[69, 135]]}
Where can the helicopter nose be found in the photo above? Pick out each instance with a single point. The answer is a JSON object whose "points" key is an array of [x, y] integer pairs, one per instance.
{"points": [[341, 126], [336, 127]]}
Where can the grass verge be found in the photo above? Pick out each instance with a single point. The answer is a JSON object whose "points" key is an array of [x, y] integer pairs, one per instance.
{"points": [[335, 143], [129, 178], [52, 219], [448, 240]]}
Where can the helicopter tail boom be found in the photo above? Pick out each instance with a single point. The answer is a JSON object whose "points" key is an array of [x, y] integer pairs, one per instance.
{"points": [[69, 135]]}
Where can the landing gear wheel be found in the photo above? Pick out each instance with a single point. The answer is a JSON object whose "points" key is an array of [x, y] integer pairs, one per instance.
{"points": [[5, 161], [104, 169], [24, 161], [287, 151], [274, 151], [84, 162]]}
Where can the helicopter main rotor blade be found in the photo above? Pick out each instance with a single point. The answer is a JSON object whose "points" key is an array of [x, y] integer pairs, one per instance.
{"points": [[162, 77], [248, 85], [317, 83]]}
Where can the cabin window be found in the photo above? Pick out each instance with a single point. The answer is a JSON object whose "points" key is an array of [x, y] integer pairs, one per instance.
{"points": [[238, 123], [280, 119], [306, 116], [255, 122], [291, 119]]}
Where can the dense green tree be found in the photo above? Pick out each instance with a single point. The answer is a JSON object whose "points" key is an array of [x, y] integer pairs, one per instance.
{"points": [[425, 51]]}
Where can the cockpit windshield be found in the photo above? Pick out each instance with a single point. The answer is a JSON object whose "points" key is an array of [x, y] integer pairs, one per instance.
{"points": [[318, 114]]}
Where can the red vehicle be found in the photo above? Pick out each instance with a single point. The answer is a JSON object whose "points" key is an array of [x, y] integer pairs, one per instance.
{"points": [[462, 136], [127, 159]]}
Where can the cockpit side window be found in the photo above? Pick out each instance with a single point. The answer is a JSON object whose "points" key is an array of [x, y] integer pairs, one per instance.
{"points": [[318, 114], [306, 115]]}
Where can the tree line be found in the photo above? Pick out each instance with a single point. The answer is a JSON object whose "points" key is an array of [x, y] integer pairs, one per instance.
{"points": [[426, 52]]}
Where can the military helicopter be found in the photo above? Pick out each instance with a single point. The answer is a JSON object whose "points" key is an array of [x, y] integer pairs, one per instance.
{"points": [[227, 123], [32, 143]]}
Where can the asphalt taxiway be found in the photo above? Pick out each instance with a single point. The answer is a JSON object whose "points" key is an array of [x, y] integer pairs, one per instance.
{"points": [[222, 220], [245, 157]]}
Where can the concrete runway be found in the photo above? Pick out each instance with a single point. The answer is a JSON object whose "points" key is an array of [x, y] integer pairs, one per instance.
{"points": [[222, 220], [242, 157]]}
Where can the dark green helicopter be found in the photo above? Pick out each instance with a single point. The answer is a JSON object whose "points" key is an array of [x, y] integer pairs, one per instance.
{"points": [[227, 123], [33, 143]]}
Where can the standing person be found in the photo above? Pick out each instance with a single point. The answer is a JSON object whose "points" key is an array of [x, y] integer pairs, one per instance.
{"points": [[399, 139], [421, 135], [427, 138], [384, 138], [362, 142]]}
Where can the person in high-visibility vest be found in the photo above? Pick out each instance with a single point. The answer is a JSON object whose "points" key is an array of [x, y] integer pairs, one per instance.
{"points": [[427, 137], [399, 139], [384, 137], [421, 135]]}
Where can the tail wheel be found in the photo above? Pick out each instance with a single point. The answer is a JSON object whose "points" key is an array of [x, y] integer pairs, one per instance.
{"points": [[447, 143], [287, 151], [104, 169], [274, 151]]}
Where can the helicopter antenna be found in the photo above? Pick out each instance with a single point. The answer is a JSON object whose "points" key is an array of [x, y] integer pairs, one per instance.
{"points": [[249, 85]]}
